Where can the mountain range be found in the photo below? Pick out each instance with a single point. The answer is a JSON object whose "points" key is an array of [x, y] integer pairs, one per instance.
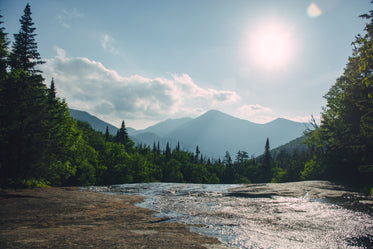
{"points": [[214, 132]]}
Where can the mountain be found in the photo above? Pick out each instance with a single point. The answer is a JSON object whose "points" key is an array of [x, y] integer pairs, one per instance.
{"points": [[165, 127], [214, 132], [95, 122], [294, 145], [142, 137]]}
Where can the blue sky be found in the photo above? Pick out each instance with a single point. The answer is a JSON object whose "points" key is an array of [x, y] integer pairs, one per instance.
{"points": [[148, 60]]}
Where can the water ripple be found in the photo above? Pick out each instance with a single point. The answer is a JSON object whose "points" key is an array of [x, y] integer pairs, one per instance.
{"points": [[255, 221]]}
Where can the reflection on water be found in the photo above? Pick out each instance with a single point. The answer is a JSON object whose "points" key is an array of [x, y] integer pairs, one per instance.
{"points": [[256, 222]]}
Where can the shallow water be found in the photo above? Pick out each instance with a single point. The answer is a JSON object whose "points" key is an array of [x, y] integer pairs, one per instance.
{"points": [[265, 222]]}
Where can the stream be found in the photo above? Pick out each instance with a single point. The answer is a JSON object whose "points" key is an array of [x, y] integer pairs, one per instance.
{"points": [[313, 214]]}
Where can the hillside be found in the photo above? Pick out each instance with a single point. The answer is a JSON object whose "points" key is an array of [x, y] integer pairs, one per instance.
{"points": [[214, 132]]}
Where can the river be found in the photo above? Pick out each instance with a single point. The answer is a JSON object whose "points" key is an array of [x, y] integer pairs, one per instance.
{"points": [[313, 214]]}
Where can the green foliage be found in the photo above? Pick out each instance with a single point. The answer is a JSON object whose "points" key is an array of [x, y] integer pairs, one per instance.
{"points": [[33, 183], [343, 143], [61, 172], [3, 51], [122, 137], [312, 170], [86, 173], [279, 175], [25, 55]]}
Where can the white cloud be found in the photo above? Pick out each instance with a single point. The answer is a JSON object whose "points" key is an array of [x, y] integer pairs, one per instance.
{"points": [[261, 114], [66, 16], [108, 44], [251, 110], [302, 119], [255, 113], [89, 85]]}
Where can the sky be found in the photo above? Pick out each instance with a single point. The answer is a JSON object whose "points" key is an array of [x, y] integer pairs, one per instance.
{"points": [[146, 61]]}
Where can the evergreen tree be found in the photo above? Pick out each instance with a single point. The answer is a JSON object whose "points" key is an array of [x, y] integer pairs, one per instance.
{"points": [[3, 51], [227, 159], [24, 53], [25, 133], [167, 152], [107, 134], [201, 160], [241, 156], [197, 153], [267, 163], [52, 91], [344, 140], [60, 127], [178, 147], [34, 123], [122, 137]]}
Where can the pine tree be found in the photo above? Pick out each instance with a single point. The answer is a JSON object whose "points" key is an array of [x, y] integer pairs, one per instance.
{"points": [[168, 153], [52, 90], [34, 131], [3, 51], [59, 125], [26, 126], [107, 134], [267, 163], [24, 53], [197, 153], [154, 147], [122, 137], [227, 159]]}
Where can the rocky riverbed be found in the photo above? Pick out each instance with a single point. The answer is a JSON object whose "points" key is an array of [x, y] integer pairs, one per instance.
{"points": [[71, 218], [310, 214]]}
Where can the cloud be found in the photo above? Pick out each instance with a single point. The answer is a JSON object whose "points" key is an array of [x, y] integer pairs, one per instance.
{"points": [[89, 85], [302, 119], [108, 44], [313, 10], [66, 16], [261, 114], [251, 110], [255, 113]]}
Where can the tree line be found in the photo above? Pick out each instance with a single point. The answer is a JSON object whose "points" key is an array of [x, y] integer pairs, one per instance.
{"points": [[42, 145]]}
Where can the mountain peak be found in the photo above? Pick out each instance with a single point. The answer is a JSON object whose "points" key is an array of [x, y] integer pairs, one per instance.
{"points": [[214, 132], [215, 113]]}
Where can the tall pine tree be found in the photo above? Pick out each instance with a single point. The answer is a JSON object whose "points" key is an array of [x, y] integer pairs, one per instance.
{"points": [[35, 124], [267, 163], [3, 51], [122, 137], [25, 53]]}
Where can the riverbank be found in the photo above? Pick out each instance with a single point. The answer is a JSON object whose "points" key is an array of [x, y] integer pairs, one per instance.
{"points": [[309, 214], [70, 218], [305, 189]]}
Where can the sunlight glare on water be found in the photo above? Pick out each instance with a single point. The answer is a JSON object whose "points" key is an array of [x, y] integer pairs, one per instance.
{"points": [[275, 222]]}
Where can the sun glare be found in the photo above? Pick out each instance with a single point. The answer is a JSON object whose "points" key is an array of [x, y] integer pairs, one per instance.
{"points": [[271, 47]]}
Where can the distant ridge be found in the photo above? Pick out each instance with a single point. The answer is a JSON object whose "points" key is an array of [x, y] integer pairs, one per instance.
{"points": [[95, 122], [165, 127], [214, 132]]}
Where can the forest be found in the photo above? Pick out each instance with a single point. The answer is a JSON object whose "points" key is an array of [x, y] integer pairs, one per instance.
{"points": [[41, 145]]}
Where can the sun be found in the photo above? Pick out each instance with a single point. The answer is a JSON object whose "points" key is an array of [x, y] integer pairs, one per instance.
{"points": [[271, 46]]}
